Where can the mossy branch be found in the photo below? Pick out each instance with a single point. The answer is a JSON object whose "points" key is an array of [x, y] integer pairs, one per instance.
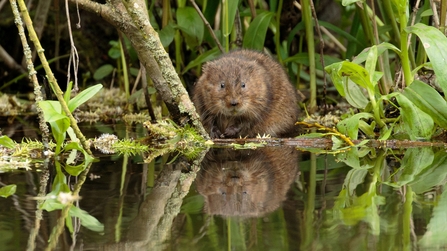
{"points": [[32, 74]]}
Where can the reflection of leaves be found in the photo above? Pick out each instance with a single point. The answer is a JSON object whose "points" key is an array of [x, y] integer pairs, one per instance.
{"points": [[432, 175], [353, 156], [352, 209], [414, 161], [354, 178], [435, 235], [87, 220], [7, 191]]}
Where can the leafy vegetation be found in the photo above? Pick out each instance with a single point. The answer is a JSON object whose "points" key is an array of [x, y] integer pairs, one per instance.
{"points": [[377, 59]]}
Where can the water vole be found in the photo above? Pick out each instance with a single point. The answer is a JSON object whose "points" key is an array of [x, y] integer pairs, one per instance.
{"points": [[245, 93]]}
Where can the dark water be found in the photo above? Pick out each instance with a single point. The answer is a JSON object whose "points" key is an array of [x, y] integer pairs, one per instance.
{"points": [[267, 199]]}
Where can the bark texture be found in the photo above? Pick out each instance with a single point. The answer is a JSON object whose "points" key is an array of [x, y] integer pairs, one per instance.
{"points": [[132, 19]]}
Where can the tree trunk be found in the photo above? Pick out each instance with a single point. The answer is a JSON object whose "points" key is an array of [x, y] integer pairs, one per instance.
{"points": [[132, 19]]}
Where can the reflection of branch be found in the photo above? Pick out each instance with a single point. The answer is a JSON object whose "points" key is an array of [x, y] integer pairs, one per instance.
{"points": [[207, 24], [10, 62]]}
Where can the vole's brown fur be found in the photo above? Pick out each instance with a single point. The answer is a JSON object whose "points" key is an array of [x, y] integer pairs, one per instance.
{"points": [[245, 93]]}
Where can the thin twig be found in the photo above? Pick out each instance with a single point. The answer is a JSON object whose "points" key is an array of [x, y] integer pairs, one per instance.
{"points": [[207, 24], [73, 53], [320, 37]]}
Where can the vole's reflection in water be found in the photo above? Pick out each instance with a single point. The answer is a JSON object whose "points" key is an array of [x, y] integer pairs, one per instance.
{"points": [[246, 183]]}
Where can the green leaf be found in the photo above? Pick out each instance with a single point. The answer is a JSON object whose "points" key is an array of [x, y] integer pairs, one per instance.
{"points": [[371, 61], [435, 44], [354, 178], [434, 237], [429, 101], [417, 123], [103, 71], [356, 73], [431, 176], [231, 10], [350, 126], [87, 220], [114, 51], [255, 36], [360, 58], [414, 162], [189, 21], [354, 94], [83, 97], [8, 190], [52, 110], [206, 56], [349, 2], [7, 142], [167, 35]]}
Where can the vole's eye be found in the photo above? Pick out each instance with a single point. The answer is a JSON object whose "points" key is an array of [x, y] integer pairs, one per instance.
{"points": [[222, 85], [243, 84]]}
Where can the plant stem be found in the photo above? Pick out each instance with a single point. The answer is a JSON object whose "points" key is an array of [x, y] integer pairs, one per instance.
{"points": [[442, 24], [405, 61], [307, 17], [124, 65], [226, 25], [278, 33]]}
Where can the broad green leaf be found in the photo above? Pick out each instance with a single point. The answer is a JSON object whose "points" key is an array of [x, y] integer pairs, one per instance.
{"points": [[429, 101], [7, 142], [435, 44], [354, 94], [230, 8], [83, 97], [354, 178], [115, 51], [349, 126], [414, 161], [417, 123], [87, 220], [167, 35], [349, 2], [432, 176], [361, 57], [255, 36], [207, 56], [371, 61], [350, 158], [103, 71], [434, 237], [52, 110], [189, 21], [8, 190], [356, 73]]}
